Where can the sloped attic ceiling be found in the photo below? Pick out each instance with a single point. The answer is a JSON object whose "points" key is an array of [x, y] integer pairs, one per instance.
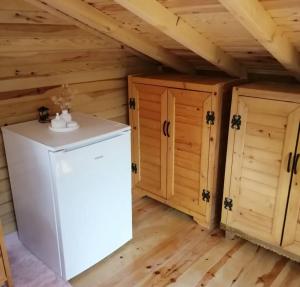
{"points": [[225, 29], [232, 33], [48, 50]]}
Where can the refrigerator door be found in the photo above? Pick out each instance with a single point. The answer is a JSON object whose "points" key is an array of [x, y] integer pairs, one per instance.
{"points": [[93, 201]]}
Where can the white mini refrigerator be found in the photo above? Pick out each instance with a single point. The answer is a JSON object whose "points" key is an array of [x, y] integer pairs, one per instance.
{"points": [[71, 191]]}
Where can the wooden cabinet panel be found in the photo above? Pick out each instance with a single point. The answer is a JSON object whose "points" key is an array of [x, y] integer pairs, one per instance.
{"points": [[150, 146], [259, 181], [188, 148], [291, 235]]}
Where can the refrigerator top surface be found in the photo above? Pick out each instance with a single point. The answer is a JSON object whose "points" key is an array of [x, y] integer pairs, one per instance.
{"points": [[91, 130]]}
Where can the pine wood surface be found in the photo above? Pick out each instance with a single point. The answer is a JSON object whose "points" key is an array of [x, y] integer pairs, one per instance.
{"points": [[189, 153], [152, 168], [259, 176], [39, 31], [170, 249], [176, 168], [259, 183], [161, 18], [212, 20], [38, 49]]}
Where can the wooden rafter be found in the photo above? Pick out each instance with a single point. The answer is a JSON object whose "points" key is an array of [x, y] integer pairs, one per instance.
{"points": [[252, 15], [170, 24], [89, 18]]}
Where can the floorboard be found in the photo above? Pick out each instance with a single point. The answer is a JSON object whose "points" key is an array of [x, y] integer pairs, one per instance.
{"points": [[170, 249]]}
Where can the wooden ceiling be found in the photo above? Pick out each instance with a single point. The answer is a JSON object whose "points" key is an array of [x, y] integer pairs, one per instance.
{"points": [[238, 37], [211, 19]]}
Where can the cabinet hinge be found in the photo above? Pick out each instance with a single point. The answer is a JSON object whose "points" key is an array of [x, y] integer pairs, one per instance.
{"points": [[205, 195], [131, 103], [228, 203], [236, 122], [210, 117], [134, 167]]}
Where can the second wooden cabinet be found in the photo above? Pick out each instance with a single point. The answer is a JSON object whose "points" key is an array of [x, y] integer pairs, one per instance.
{"points": [[262, 187], [176, 134]]}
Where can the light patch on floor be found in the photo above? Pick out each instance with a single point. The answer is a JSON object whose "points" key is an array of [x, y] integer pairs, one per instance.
{"points": [[27, 270]]}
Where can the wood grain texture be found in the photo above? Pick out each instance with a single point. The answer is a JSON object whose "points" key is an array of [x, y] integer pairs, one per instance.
{"points": [[214, 22], [85, 15], [170, 24], [208, 18], [291, 235], [253, 16], [169, 249], [259, 172], [259, 192], [151, 103], [180, 148], [190, 136]]}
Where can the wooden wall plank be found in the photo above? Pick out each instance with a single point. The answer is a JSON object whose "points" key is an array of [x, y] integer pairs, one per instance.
{"points": [[85, 15], [72, 77]]}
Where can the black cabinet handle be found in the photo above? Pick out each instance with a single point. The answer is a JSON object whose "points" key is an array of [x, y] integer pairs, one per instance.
{"points": [[296, 163], [164, 128], [168, 125], [289, 162]]}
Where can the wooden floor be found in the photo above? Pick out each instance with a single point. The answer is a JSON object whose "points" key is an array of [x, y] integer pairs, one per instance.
{"points": [[169, 249]]}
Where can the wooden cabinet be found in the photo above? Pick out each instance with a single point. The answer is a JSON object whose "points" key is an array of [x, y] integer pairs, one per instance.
{"points": [[177, 125], [261, 198]]}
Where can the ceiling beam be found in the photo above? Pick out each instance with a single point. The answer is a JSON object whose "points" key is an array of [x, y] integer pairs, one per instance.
{"points": [[172, 25], [253, 16], [89, 18]]}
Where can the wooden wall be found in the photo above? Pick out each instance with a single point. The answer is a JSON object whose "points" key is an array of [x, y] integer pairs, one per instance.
{"points": [[39, 53]]}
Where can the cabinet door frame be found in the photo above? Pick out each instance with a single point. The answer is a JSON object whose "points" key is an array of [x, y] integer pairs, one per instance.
{"points": [[136, 150], [206, 165], [233, 169], [134, 123], [214, 135]]}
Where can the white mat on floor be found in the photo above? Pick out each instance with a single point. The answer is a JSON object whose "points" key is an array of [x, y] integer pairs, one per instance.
{"points": [[27, 270]]}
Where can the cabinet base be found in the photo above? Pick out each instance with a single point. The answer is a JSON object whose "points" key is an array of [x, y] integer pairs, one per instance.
{"points": [[199, 220], [276, 249], [229, 235], [197, 217]]}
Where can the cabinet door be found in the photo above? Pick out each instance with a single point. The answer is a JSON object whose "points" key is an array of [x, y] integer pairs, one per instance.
{"points": [[291, 236], [259, 181], [150, 144], [188, 148]]}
